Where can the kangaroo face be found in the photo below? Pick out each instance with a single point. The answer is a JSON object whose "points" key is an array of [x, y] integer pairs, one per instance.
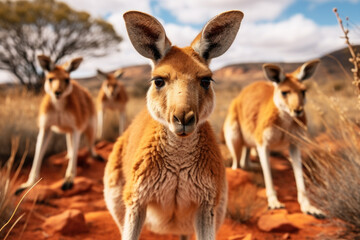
{"points": [[110, 84], [181, 95], [57, 83], [289, 90], [290, 96]]}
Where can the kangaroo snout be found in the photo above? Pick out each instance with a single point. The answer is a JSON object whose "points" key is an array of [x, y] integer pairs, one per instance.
{"points": [[298, 112], [184, 122], [58, 94]]}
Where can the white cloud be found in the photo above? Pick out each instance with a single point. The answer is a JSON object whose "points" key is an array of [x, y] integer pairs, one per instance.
{"points": [[105, 7], [199, 11], [291, 40]]}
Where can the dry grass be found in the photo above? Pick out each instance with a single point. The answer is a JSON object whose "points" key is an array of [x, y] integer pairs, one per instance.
{"points": [[19, 111], [332, 165], [8, 185]]}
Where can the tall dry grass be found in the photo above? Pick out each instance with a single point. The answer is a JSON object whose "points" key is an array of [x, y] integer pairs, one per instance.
{"points": [[333, 158], [19, 117], [8, 186]]}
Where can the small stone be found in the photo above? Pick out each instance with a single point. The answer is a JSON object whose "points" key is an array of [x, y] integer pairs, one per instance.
{"points": [[276, 222], [70, 222]]}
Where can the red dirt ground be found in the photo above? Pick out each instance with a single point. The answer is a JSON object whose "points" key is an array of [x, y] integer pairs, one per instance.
{"points": [[102, 227]]}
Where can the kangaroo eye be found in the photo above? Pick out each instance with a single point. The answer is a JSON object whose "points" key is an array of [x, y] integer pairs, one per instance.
{"points": [[205, 82], [67, 80], [51, 79], [303, 92], [159, 82], [285, 93]]}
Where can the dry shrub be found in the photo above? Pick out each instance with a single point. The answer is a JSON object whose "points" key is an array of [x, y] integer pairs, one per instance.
{"points": [[8, 185], [332, 165]]}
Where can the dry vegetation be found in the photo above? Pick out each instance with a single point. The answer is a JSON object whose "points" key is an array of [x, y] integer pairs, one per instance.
{"points": [[333, 163]]}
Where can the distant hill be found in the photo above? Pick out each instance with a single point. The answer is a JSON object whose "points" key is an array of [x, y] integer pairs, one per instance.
{"points": [[331, 69]]}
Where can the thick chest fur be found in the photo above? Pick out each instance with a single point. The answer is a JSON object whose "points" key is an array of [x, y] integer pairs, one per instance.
{"points": [[171, 177], [60, 122], [178, 192]]}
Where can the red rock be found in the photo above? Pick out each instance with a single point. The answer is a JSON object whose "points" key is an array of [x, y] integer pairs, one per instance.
{"points": [[286, 236], [43, 193], [81, 185], [301, 220], [237, 178], [70, 222], [248, 237], [276, 221]]}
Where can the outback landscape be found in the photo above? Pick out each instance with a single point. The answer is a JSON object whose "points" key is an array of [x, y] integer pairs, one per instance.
{"points": [[167, 163], [48, 209]]}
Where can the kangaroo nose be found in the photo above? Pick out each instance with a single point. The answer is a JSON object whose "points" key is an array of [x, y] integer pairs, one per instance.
{"points": [[298, 112], [57, 94], [185, 119]]}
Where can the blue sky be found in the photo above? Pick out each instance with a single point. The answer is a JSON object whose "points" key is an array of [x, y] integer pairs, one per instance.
{"points": [[271, 31]]}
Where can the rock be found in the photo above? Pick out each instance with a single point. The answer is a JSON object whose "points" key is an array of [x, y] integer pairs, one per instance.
{"points": [[81, 185], [241, 237], [286, 236], [237, 178], [248, 237], [70, 222], [301, 220], [43, 193], [276, 221]]}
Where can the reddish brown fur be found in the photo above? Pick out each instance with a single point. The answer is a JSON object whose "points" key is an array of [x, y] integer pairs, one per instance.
{"points": [[79, 103], [119, 98]]}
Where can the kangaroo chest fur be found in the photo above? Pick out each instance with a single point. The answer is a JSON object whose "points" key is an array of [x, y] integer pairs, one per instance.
{"points": [[173, 177], [177, 192], [57, 118]]}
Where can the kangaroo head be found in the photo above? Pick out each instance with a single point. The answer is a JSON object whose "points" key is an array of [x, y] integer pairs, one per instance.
{"points": [[57, 82], [110, 84], [181, 95], [289, 90]]}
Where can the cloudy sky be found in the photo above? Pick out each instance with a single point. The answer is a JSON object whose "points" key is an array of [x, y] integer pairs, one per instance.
{"points": [[271, 31]]}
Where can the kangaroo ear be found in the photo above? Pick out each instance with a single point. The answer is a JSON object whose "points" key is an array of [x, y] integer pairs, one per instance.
{"points": [[101, 75], [147, 35], [118, 73], [73, 65], [218, 34], [274, 73], [46, 63], [307, 70]]}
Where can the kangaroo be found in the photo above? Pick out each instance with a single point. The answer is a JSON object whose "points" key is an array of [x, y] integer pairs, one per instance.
{"points": [[66, 108], [262, 116], [113, 96], [166, 170]]}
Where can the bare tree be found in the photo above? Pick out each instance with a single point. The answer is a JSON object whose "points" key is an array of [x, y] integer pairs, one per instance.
{"points": [[28, 28]]}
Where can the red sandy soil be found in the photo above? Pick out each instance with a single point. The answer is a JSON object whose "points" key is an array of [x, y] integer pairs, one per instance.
{"points": [[102, 227]]}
